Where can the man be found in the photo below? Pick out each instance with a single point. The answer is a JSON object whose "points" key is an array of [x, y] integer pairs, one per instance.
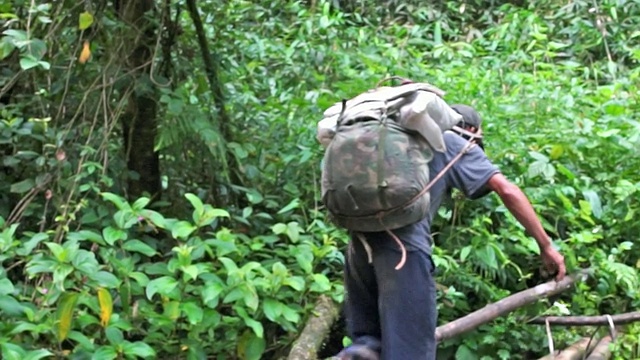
{"points": [[391, 314]]}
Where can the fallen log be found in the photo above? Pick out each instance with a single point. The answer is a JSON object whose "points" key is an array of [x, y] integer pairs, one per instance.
{"points": [[575, 351], [315, 331], [507, 305], [618, 319], [602, 350]]}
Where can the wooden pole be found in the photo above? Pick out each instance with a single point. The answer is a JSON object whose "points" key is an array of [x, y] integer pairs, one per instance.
{"points": [[575, 351], [618, 319], [315, 331], [507, 305], [602, 350]]}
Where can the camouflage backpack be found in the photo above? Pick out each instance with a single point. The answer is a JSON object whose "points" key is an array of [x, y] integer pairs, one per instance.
{"points": [[378, 145]]}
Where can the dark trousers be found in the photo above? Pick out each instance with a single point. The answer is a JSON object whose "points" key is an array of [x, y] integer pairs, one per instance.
{"points": [[398, 307]]}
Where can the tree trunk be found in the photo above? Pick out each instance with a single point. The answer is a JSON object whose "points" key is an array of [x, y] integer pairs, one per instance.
{"points": [[139, 122], [315, 332]]}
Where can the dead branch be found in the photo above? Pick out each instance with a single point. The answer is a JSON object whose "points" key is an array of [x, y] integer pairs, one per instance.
{"points": [[602, 350], [618, 319], [575, 351], [318, 325], [507, 305]]}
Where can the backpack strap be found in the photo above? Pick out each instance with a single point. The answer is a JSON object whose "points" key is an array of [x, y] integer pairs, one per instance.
{"points": [[440, 174]]}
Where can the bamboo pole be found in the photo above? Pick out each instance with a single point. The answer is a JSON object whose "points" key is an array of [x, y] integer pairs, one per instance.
{"points": [[507, 305]]}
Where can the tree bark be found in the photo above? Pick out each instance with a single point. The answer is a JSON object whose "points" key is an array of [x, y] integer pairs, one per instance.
{"points": [[574, 352], [315, 331], [602, 351], [505, 306], [139, 122], [618, 319], [229, 161]]}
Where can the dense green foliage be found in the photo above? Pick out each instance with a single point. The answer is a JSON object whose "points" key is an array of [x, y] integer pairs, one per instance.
{"points": [[226, 261]]}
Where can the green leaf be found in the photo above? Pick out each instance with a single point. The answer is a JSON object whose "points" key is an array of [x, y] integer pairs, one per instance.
{"points": [[112, 234], [24, 185], [64, 314], [10, 306], [254, 325], [58, 251], [272, 308], [321, 283], [86, 235], [140, 203], [114, 335], [465, 252], [251, 346], [28, 62], [182, 230], [12, 351], [211, 292], [141, 278], [191, 270], [464, 353], [105, 279], [295, 282], [139, 349], [118, 201], [38, 354], [197, 205], [105, 353], [85, 20], [6, 287], [162, 285], [279, 228], [193, 311], [138, 246]]}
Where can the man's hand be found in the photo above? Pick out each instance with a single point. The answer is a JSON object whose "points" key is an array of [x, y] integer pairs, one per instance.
{"points": [[553, 262]]}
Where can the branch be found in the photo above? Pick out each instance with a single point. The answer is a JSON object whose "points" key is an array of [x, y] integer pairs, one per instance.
{"points": [[315, 331], [602, 350], [576, 351], [618, 319], [506, 305]]}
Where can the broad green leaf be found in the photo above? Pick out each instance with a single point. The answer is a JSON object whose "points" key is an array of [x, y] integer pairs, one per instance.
{"points": [[38, 354], [118, 201], [464, 253], [27, 62], [114, 335], [24, 185], [172, 309], [139, 349], [250, 346], [105, 279], [106, 306], [6, 287], [211, 292], [192, 271], [320, 283], [112, 234], [140, 203], [193, 311], [90, 235], [85, 20], [60, 253], [464, 353], [12, 351], [182, 230], [64, 314], [10, 306], [162, 285], [196, 203], [139, 246], [272, 308], [106, 352]]}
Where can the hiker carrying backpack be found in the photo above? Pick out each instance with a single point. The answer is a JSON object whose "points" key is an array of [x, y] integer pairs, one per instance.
{"points": [[375, 174]]}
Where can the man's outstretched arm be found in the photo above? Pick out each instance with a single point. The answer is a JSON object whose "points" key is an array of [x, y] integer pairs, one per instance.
{"points": [[518, 204]]}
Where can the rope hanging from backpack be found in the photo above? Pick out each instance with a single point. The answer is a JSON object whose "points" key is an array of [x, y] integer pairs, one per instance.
{"points": [[403, 257]]}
